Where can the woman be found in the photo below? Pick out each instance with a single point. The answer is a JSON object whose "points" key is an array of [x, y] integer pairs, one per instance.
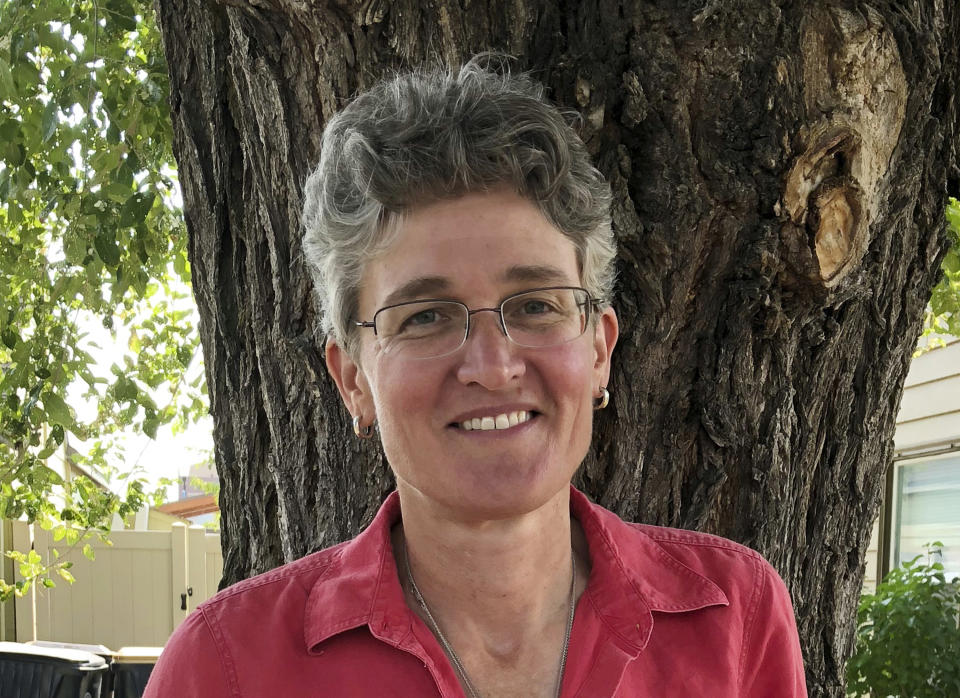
{"points": [[461, 247]]}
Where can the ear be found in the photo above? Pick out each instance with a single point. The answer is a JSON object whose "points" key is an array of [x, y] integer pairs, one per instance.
{"points": [[604, 340], [351, 382]]}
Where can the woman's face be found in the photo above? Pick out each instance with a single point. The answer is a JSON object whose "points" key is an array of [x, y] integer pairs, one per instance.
{"points": [[477, 249]]}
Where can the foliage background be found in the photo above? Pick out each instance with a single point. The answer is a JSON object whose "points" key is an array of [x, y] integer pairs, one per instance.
{"points": [[943, 313], [91, 232], [908, 639]]}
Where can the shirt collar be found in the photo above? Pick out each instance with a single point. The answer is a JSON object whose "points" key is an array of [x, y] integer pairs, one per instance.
{"points": [[631, 577], [360, 586]]}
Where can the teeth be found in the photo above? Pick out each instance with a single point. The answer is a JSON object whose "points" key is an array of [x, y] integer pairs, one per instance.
{"points": [[501, 421]]}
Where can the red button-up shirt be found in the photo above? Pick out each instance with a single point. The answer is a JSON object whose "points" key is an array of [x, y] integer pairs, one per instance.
{"points": [[665, 613]]}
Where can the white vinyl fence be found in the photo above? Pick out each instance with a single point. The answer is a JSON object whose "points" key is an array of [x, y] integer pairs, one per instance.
{"points": [[134, 593]]}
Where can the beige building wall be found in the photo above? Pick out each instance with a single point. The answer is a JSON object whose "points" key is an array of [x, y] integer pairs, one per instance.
{"points": [[930, 408], [928, 431]]}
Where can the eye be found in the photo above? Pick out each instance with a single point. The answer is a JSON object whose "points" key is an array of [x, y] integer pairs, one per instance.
{"points": [[418, 320], [535, 306], [421, 318]]}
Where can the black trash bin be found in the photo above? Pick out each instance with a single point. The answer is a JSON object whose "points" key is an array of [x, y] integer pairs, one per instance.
{"points": [[28, 671], [131, 668], [106, 687]]}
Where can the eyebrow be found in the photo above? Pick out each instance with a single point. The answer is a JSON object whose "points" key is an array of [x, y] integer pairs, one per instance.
{"points": [[537, 273], [418, 287], [436, 285]]}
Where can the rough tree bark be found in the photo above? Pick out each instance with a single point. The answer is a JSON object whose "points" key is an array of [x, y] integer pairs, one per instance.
{"points": [[780, 173]]}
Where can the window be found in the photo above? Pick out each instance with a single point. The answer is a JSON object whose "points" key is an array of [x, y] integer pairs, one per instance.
{"points": [[927, 509]]}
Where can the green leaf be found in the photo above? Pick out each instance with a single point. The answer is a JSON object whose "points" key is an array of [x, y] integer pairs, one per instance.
{"points": [[9, 128], [50, 121], [7, 89], [15, 154], [66, 575], [122, 15], [150, 426], [106, 245], [184, 355], [953, 215], [10, 338], [57, 410], [51, 475], [180, 265], [951, 263], [136, 208], [88, 552], [125, 389], [140, 248]]}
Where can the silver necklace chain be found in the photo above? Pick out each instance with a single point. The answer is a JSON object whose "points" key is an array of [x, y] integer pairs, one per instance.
{"points": [[448, 648]]}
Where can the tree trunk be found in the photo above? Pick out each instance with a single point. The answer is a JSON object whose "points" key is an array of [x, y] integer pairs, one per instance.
{"points": [[779, 178]]}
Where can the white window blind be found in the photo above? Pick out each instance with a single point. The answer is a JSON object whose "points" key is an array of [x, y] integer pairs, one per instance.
{"points": [[928, 509]]}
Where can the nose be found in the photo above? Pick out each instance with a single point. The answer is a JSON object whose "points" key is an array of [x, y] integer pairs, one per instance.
{"points": [[488, 358]]}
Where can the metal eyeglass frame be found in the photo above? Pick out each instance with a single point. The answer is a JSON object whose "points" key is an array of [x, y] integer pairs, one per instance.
{"points": [[591, 304]]}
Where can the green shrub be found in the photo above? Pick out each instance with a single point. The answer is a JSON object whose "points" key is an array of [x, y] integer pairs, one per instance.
{"points": [[908, 638]]}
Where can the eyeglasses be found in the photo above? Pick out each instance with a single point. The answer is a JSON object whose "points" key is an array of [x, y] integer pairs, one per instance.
{"points": [[431, 328]]}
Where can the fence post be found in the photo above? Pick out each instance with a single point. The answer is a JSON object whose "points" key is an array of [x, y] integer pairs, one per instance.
{"points": [[178, 571], [8, 613], [196, 566], [213, 563], [42, 542], [25, 607]]}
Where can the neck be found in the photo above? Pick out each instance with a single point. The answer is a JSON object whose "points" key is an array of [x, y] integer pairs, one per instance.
{"points": [[494, 587]]}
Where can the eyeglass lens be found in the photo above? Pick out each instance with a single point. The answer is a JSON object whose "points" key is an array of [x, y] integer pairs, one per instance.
{"points": [[538, 318]]}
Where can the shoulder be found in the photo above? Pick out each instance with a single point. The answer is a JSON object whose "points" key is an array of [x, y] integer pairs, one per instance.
{"points": [[770, 659], [279, 584], [192, 664], [745, 577], [746, 606], [679, 538], [740, 571], [644, 547], [201, 656], [723, 560], [703, 550]]}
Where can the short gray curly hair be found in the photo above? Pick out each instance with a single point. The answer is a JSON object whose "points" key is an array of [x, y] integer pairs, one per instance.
{"points": [[434, 134]]}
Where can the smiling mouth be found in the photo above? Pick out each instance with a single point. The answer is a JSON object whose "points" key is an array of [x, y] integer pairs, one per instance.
{"points": [[500, 421]]}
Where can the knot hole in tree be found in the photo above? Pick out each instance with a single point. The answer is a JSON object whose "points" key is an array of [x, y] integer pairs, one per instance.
{"points": [[854, 94], [824, 200]]}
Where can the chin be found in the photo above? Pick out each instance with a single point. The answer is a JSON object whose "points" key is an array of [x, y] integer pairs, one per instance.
{"points": [[510, 496]]}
